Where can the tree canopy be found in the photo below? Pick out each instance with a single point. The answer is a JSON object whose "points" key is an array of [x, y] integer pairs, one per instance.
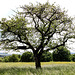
{"points": [[38, 27]]}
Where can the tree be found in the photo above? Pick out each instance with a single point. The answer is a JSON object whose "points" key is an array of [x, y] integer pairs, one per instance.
{"points": [[27, 57], [61, 54], [73, 57], [46, 57], [14, 58], [38, 27]]}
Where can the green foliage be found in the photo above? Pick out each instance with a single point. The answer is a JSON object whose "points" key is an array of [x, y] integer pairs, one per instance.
{"points": [[61, 54], [1, 59], [12, 58], [6, 59], [46, 57], [27, 57], [73, 57], [38, 27]]}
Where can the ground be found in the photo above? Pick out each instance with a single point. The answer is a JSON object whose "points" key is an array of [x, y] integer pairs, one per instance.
{"points": [[28, 68]]}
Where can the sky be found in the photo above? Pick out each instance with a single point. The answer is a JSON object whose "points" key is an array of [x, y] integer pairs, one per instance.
{"points": [[7, 7]]}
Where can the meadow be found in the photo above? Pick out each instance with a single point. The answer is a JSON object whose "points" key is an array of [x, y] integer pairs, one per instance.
{"points": [[28, 68]]}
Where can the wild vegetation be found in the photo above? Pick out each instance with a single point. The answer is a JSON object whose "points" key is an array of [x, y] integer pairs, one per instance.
{"points": [[48, 68], [40, 27], [60, 54]]}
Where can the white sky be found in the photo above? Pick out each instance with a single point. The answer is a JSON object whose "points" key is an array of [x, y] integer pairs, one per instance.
{"points": [[6, 6]]}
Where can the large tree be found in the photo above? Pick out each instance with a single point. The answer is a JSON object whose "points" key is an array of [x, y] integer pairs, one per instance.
{"points": [[38, 27]]}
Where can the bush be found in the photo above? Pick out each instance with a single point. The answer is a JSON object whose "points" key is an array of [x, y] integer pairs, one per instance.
{"points": [[6, 59], [27, 57], [1, 59], [73, 57], [61, 54], [46, 57], [12, 58]]}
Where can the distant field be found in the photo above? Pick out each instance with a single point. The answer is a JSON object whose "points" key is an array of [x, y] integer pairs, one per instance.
{"points": [[28, 68]]}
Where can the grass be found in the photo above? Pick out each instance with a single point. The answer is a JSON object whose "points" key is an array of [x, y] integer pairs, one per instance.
{"points": [[28, 68]]}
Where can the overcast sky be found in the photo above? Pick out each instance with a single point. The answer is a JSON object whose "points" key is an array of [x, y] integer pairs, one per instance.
{"points": [[6, 6]]}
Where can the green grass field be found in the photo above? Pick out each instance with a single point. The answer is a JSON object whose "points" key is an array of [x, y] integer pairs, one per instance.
{"points": [[28, 68]]}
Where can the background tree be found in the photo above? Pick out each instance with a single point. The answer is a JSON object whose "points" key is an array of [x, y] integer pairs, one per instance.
{"points": [[46, 57], [6, 59], [73, 57], [61, 54], [27, 57], [12, 58], [39, 27]]}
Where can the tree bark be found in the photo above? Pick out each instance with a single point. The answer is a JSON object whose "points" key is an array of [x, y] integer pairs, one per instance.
{"points": [[37, 62]]}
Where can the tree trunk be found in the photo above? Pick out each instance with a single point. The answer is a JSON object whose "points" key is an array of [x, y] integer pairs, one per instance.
{"points": [[37, 62]]}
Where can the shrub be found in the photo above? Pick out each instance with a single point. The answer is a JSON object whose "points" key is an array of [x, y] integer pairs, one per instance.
{"points": [[27, 57], [1, 59], [12, 58], [61, 54], [6, 59], [46, 57], [73, 57]]}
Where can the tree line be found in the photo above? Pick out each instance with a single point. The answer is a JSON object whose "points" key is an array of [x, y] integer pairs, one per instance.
{"points": [[60, 54]]}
